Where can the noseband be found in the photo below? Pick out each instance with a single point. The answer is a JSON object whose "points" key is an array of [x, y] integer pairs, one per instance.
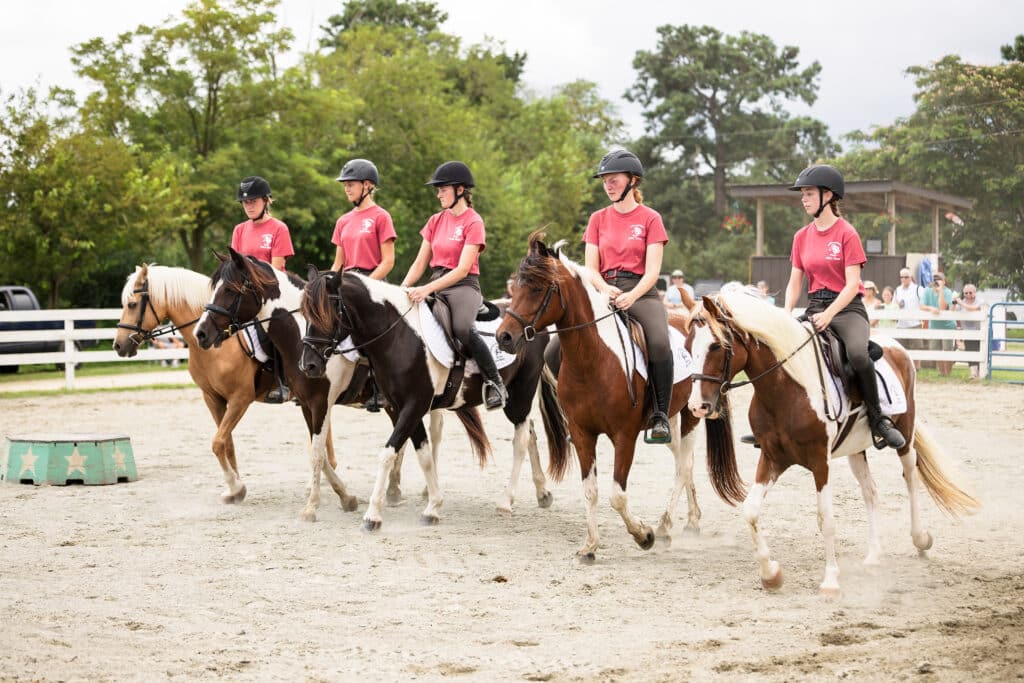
{"points": [[325, 347], [137, 328], [530, 329]]}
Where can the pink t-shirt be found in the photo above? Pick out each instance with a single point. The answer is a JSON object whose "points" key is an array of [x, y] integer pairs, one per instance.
{"points": [[448, 234], [263, 240], [622, 238], [824, 256], [360, 234]]}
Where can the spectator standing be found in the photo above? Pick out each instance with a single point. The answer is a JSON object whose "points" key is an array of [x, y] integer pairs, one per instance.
{"points": [[969, 301], [673, 299], [871, 302], [888, 304], [908, 298], [936, 299], [762, 288]]}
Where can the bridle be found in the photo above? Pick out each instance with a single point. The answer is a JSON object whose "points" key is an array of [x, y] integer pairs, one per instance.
{"points": [[231, 313], [530, 330], [140, 334]]}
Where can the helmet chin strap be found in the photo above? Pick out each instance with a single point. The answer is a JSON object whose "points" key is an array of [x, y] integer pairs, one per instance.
{"points": [[625, 192], [266, 203], [458, 196], [363, 196], [821, 202]]}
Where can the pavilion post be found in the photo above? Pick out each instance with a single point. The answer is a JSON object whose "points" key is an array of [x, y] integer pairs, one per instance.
{"points": [[890, 200], [759, 222]]}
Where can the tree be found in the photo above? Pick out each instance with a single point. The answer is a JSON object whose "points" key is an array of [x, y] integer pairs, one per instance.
{"points": [[1014, 52], [421, 17], [716, 102], [966, 137]]}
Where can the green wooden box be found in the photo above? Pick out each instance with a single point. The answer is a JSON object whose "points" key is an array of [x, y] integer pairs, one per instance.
{"points": [[68, 459]]}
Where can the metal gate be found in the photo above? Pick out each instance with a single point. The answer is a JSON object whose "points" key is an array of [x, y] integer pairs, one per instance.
{"points": [[1004, 349]]}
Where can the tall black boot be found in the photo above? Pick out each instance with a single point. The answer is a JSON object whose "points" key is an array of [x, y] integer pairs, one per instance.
{"points": [[659, 374], [495, 393], [280, 392], [882, 428]]}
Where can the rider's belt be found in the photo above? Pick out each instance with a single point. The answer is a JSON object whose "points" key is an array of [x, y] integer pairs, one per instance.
{"points": [[441, 270], [624, 274], [823, 295], [361, 271]]}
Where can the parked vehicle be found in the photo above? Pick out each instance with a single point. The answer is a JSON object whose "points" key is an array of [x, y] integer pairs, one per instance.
{"points": [[17, 298]]}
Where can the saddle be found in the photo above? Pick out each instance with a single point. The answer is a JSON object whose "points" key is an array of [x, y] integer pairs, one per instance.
{"points": [[833, 351], [442, 313]]}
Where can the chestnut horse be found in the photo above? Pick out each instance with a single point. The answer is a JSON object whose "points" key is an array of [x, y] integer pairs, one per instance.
{"points": [[796, 423], [228, 376], [382, 321], [597, 393]]}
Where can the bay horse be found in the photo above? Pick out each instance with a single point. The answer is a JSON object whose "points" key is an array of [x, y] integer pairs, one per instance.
{"points": [[595, 388], [795, 423], [386, 326], [228, 376]]}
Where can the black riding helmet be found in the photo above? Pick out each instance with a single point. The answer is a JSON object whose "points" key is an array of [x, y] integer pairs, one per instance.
{"points": [[621, 161], [452, 173], [359, 169], [823, 177], [253, 187]]}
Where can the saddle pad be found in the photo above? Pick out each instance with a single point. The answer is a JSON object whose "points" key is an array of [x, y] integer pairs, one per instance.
{"points": [[347, 349], [682, 363], [442, 351], [891, 397], [254, 343]]}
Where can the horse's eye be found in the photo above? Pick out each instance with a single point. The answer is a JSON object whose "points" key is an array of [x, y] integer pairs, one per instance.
{"points": [[715, 346], [132, 304]]}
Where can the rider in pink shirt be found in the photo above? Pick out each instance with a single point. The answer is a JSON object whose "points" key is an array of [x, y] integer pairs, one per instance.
{"points": [[262, 236], [365, 236]]}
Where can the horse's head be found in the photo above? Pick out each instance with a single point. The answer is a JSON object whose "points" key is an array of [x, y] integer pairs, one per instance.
{"points": [[323, 309], [720, 350], [536, 296], [138, 314], [240, 286]]}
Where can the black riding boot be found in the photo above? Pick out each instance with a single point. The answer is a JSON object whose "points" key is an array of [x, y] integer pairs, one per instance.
{"points": [[376, 401], [659, 374], [495, 393], [882, 428], [279, 393]]}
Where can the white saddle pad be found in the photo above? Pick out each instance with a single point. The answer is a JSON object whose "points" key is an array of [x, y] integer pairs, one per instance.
{"points": [[891, 397], [439, 347], [682, 363], [258, 351]]}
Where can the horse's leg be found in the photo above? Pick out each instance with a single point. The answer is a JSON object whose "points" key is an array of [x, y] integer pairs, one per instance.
{"points": [[426, 453], [637, 528], [394, 494], [769, 569], [408, 421], [436, 432], [226, 415], [827, 524], [520, 445], [540, 481], [586, 453], [860, 469], [922, 539], [330, 445], [322, 440], [317, 458], [682, 453]]}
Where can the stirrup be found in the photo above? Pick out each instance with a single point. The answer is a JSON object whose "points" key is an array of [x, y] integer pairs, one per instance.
{"points": [[278, 394], [495, 395], [750, 439], [658, 429], [885, 435], [374, 403]]}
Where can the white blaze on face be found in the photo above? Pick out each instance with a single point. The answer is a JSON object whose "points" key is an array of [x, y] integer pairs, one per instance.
{"points": [[213, 296], [702, 341]]}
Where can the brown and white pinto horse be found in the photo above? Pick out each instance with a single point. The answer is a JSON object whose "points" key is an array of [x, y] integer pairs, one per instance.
{"points": [[228, 376], [594, 389], [736, 331]]}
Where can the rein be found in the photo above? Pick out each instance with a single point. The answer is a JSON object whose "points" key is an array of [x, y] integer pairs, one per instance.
{"points": [[234, 324], [146, 335], [326, 346]]}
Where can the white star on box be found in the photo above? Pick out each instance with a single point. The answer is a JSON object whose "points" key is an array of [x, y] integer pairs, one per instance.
{"points": [[28, 462], [118, 460], [76, 461]]}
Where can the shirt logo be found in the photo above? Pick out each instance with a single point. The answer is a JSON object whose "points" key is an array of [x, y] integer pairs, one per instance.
{"points": [[367, 225], [834, 252], [268, 240], [636, 232], [456, 235]]}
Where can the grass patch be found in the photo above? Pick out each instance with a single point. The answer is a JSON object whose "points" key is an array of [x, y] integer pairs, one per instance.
{"points": [[48, 371]]}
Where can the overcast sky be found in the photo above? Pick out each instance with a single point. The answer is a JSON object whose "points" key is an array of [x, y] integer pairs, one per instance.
{"points": [[864, 47]]}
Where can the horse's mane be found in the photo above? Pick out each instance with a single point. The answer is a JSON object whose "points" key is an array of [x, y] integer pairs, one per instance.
{"points": [[262, 275], [538, 267], [170, 286], [774, 327], [317, 307]]}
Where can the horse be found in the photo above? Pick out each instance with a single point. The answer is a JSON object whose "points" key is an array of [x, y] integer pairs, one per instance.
{"points": [[597, 386], [795, 422], [383, 323], [228, 376]]}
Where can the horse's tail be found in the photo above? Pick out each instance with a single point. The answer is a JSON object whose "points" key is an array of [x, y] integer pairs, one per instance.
{"points": [[940, 478], [469, 416], [555, 425], [725, 476]]}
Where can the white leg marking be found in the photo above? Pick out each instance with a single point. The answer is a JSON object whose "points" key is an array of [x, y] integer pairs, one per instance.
{"points": [[827, 524], [385, 461], [682, 454], [918, 534], [767, 567], [431, 513], [520, 445], [590, 507], [860, 469], [317, 458]]}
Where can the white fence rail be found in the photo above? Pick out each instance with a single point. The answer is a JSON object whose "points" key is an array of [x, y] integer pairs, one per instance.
{"points": [[72, 356]]}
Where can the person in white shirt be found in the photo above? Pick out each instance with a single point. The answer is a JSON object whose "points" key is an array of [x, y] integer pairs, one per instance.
{"points": [[673, 299], [907, 296]]}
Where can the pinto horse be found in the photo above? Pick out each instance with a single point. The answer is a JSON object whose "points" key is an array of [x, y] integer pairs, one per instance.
{"points": [[385, 324], [796, 423], [228, 376], [597, 392]]}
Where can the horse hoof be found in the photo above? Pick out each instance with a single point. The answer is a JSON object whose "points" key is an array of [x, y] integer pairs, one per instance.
{"points": [[503, 510], [394, 498], [646, 542], [430, 520], [233, 498], [308, 516], [371, 525], [586, 558], [664, 539], [545, 500], [829, 592], [691, 531], [923, 542], [350, 504], [773, 583]]}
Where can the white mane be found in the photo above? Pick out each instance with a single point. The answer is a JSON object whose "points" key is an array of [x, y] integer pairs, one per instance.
{"points": [[171, 286]]}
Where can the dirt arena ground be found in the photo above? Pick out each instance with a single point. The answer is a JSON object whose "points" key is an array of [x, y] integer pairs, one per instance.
{"points": [[157, 579]]}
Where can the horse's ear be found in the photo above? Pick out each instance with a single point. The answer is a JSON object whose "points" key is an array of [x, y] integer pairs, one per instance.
{"points": [[710, 306], [312, 272], [220, 257], [237, 258]]}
